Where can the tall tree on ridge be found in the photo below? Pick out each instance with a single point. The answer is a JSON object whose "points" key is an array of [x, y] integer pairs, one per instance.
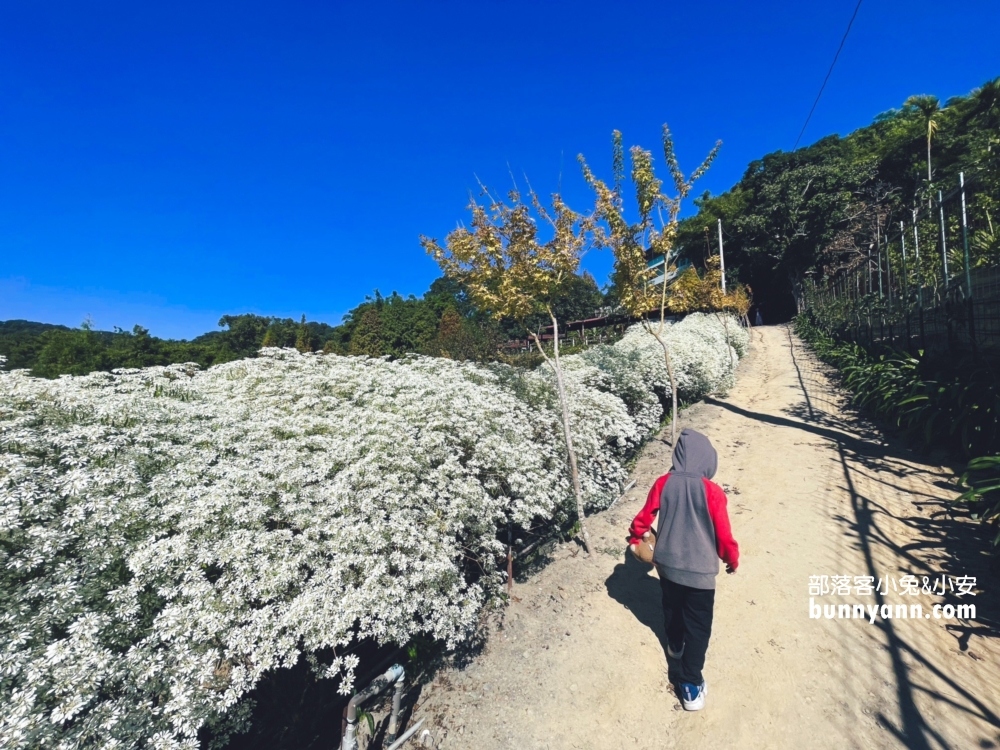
{"points": [[929, 107]]}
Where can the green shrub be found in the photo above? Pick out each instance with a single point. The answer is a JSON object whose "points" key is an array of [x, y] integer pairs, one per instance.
{"points": [[951, 404]]}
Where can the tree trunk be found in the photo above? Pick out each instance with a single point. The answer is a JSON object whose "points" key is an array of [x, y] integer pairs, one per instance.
{"points": [[567, 431], [673, 385], [725, 326]]}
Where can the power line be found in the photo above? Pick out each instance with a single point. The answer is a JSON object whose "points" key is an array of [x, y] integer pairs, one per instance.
{"points": [[821, 88]]}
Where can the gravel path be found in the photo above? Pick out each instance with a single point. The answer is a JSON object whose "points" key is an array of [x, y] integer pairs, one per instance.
{"points": [[576, 661]]}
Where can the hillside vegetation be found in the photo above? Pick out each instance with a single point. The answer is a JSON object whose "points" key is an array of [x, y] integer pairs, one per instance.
{"points": [[440, 323], [813, 210]]}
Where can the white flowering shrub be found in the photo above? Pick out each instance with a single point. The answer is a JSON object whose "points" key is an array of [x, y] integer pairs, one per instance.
{"points": [[703, 352], [168, 535]]}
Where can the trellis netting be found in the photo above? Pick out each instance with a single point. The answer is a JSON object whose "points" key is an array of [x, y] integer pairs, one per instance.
{"points": [[168, 535]]}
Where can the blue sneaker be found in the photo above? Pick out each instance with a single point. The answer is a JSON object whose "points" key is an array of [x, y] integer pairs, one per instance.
{"points": [[693, 696], [675, 653]]}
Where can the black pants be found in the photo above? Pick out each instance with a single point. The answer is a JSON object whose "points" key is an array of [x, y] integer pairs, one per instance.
{"points": [[687, 613]]}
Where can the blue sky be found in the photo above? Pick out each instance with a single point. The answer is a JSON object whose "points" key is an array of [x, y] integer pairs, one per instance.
{"points": [[164, 164]]}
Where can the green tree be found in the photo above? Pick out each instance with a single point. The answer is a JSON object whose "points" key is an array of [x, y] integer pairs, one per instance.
{"points": [[367, 337], [245, 333], [303, 339], [449, 336], [930, 109], [271, 337], [73, 352]]}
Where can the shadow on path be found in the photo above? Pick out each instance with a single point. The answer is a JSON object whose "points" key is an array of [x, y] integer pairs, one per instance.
{"points": [[958, 541], [631, 586]]}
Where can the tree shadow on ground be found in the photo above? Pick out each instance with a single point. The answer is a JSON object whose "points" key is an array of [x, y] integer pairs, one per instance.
{"points": [[943, 543]]}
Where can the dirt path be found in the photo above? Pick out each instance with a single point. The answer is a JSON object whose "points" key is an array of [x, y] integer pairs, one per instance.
{"points": [[578, 661]]}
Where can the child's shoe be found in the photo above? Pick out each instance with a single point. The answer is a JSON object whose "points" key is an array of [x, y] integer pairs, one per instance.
{"points": [[693, 696], [675, 653]]}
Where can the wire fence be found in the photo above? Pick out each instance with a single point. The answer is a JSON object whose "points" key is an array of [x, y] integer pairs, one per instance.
{"points": [[931, 282]]}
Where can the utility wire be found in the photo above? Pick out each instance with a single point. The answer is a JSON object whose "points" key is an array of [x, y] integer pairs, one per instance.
{"points": [[821, 88]]}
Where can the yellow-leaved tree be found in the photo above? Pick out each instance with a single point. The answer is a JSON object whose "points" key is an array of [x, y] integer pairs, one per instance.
{"points": [[645, 250], [510, 271]]}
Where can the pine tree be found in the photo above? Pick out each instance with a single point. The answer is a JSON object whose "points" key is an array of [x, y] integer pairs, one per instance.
{"points": [[302, 338], [368, 337], [449, 335]]}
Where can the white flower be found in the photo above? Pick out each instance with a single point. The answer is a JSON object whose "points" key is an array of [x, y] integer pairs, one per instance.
{"points": [[170, 534]]}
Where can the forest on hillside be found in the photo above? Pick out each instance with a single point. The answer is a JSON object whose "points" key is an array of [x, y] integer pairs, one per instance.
{"points": [[443, 322], [811, 211]]}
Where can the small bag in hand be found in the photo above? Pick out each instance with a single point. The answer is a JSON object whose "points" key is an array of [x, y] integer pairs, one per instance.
{"points": [[643, 551]]}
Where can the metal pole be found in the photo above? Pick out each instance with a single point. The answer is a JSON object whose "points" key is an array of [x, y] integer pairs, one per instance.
{"points": [[965, 238], [881, 297], [944, 242], [968, 269], [888, 288], [722, 259], [878, 247], [888, 272], [906, 281], [916, 250], [869, 268], [905, 289], [857, 303], [920, 282]]}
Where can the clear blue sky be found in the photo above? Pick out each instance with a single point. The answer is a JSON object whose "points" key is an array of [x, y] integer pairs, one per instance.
{"points": [[165, 163]]}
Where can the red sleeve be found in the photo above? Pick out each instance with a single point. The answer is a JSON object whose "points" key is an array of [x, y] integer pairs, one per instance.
{"points": [[725, 545], [644, 518]]}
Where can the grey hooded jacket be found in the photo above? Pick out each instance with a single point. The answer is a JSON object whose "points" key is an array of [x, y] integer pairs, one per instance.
{"points": [[685, 550]]}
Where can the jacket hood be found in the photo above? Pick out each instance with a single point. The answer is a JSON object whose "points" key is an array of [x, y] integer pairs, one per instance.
{"points": [[695, 455]]}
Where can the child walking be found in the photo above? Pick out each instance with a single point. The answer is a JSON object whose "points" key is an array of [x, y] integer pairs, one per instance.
{"points": [[693, 533]]}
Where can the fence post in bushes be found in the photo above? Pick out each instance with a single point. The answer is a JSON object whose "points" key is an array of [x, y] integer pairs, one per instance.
{"points": [[920, 281], [888, 289], [906, 285], [881, 294], [859, 306], [878, 250], [968, 270], [944, 243]]}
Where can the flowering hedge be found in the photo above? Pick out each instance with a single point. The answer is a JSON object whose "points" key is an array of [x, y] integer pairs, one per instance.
{"points": [[168, 535]]}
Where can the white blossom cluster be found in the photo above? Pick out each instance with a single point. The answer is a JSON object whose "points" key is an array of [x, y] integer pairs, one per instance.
{"points": [[168, 535]]}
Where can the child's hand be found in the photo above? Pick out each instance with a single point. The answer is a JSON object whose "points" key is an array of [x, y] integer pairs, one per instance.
{"points": [[730, 569]]}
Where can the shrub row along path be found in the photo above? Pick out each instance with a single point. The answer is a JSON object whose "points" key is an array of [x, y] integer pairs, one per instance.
{"points": [[577, 660]]}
